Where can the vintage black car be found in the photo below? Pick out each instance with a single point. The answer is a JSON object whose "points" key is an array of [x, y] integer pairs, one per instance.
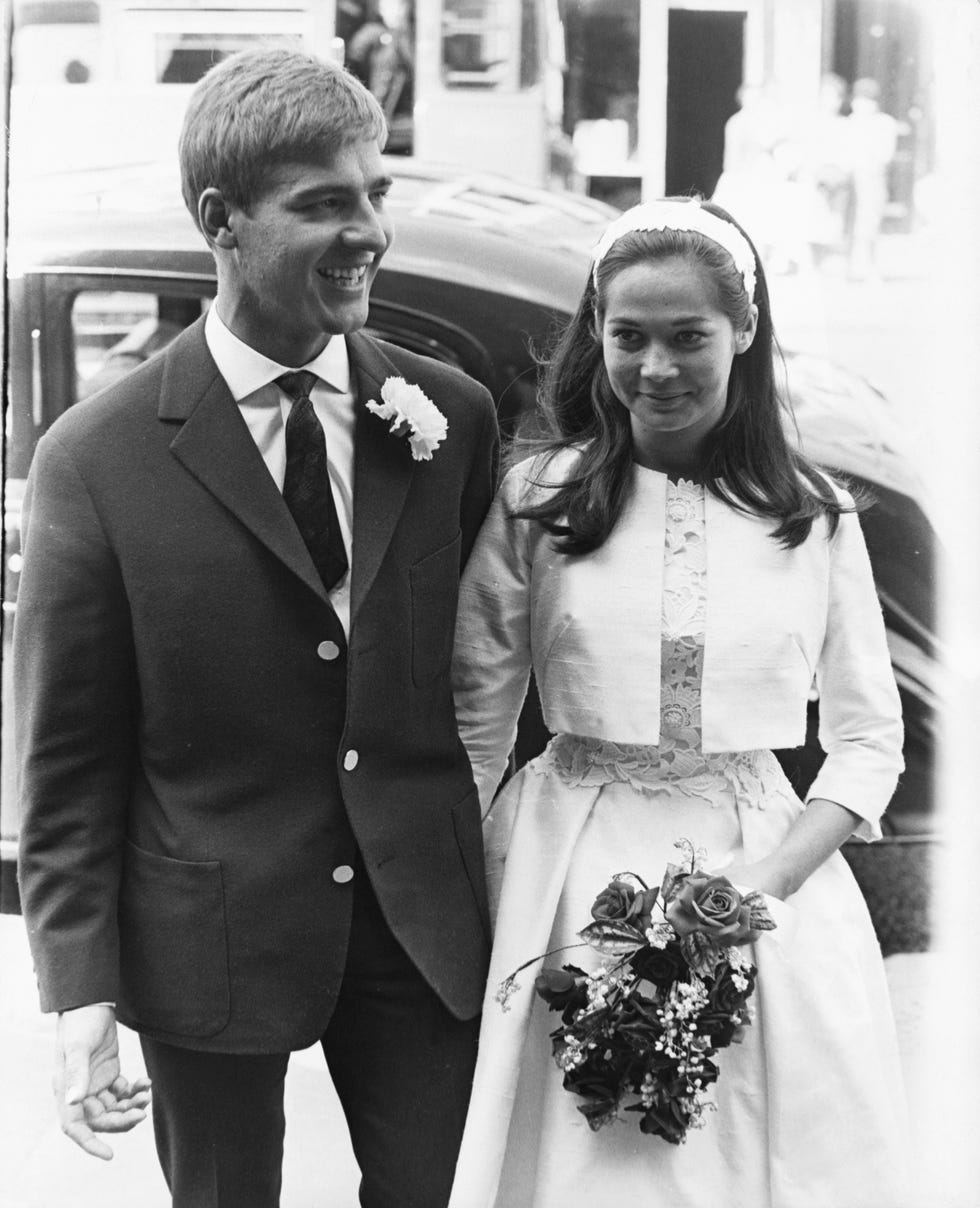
{"points": [[98, 292]]}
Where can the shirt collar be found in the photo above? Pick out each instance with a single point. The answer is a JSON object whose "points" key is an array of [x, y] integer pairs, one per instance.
{"points": [[245, 370]]}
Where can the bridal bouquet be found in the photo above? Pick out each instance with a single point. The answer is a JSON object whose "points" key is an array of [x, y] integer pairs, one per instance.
{"points": [[641, 1032]]}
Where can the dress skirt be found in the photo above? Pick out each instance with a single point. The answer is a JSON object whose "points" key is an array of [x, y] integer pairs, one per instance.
{"points": [[809, 1110]]}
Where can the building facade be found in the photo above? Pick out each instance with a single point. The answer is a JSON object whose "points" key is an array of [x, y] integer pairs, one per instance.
{"points": [[619, 97]]}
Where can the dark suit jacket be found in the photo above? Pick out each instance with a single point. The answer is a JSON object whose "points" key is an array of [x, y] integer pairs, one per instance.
{"points": [[185, 750]]}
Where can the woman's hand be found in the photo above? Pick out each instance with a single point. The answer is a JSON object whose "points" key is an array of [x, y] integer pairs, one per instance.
{"points": [[813, 838], [764, 875]]}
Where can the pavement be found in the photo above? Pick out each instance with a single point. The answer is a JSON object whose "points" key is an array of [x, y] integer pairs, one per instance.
{"points": [[40, 1168]]}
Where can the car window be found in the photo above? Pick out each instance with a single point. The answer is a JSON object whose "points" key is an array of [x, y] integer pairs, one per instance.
{"points": [[114, 331]]}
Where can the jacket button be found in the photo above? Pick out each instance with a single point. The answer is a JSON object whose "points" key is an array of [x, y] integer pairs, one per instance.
{"points": [[350, 761], [343, 873], [328, 651]]}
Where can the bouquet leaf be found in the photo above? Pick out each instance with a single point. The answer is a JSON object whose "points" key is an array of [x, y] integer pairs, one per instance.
{"points": [[672, 874], [613, 938], [702, 954], [759, 918]]}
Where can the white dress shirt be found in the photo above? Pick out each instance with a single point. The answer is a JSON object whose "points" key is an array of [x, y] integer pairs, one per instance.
{"points": [[251, 378]]}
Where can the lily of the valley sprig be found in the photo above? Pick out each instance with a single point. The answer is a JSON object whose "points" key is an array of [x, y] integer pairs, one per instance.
{"points": [[413, 414]]}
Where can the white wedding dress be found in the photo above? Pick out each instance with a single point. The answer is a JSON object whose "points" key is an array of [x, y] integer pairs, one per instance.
{"points": [[809, 1108]]}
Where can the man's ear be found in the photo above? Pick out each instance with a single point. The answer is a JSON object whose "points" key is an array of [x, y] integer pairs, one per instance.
{"points": [[214, 218]]}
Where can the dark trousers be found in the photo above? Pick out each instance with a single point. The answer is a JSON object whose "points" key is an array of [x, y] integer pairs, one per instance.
{"points": [[402, 1067]]}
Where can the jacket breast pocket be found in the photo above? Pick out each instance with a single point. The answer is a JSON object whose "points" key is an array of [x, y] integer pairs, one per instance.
{"points": [[435, 590], [173, 945]]}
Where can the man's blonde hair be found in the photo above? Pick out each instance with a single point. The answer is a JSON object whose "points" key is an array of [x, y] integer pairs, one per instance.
{"points": [[261, 108]]}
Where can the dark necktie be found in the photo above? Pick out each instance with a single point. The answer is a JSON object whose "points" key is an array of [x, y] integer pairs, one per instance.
{"points": [[306, 488]]}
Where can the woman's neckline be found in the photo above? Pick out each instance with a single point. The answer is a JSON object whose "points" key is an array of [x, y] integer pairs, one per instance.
{"points": [[674, 479]]}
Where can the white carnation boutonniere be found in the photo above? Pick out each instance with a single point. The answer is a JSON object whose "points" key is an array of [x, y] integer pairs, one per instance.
{"points": [[412, 414]]}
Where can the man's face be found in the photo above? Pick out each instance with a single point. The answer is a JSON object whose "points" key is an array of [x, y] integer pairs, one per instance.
{"points": [[299, 264]]}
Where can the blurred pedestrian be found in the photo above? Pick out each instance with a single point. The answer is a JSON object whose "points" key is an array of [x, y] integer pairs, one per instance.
{"points": [[823, 166], [381, 54], [756, 178], [750, 172], [249, 824], [872, 139]]}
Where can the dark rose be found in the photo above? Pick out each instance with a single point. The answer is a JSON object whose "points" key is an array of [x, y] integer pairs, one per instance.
{"points": [[661, 966], [600, 1080], [724, 1002], [637, 1025], [666, 1118], [619, 902], [599, 1111], [711, 906], [615, 903], [561, 988]]}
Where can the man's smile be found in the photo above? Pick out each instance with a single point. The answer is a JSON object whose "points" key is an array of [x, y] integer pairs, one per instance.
{"points": [[344, 276]]}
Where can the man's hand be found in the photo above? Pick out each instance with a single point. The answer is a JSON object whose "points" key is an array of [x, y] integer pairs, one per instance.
{"points": [[91, 1093]]}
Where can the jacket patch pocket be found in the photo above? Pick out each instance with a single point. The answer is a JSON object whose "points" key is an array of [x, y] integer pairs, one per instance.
{"points": [[435, 589], [173, 945]]}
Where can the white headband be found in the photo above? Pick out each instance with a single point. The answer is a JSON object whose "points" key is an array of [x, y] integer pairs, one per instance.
{"points": [[680, 216]]}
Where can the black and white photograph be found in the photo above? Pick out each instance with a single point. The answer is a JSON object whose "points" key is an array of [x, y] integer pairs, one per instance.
{"points": [[491, 608]]}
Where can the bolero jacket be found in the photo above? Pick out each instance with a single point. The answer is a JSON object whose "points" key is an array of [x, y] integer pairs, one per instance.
{"points": [[779, 623]]}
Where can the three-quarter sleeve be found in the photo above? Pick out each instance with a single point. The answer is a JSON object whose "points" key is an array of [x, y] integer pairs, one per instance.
{"points": [[492, 654], [860, 712]]}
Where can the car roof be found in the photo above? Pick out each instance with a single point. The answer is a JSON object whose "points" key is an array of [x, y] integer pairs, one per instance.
{"points": [[436, 248], [490, 201], [844, 423], [557, 217]]}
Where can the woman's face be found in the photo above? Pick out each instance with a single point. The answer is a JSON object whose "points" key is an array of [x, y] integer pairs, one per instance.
{"points": [[668, 349]]}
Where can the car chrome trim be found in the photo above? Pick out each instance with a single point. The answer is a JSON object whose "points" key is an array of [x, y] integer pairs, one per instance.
{"points": [[926, 639], [153, 274], [37, 410]]}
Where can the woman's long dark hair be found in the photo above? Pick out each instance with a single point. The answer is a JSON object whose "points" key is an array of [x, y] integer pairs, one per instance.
{"points": [[747, 461]]}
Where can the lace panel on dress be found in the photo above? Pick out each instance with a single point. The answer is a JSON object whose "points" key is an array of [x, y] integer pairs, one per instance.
{"points": [[677, 764]]}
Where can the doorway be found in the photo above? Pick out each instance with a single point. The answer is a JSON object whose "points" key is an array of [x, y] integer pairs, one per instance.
{"points": [[704, 72]]}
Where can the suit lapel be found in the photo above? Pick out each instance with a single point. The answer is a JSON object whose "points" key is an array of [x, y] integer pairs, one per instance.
{"points": [[383, 468], [216, 447]]}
